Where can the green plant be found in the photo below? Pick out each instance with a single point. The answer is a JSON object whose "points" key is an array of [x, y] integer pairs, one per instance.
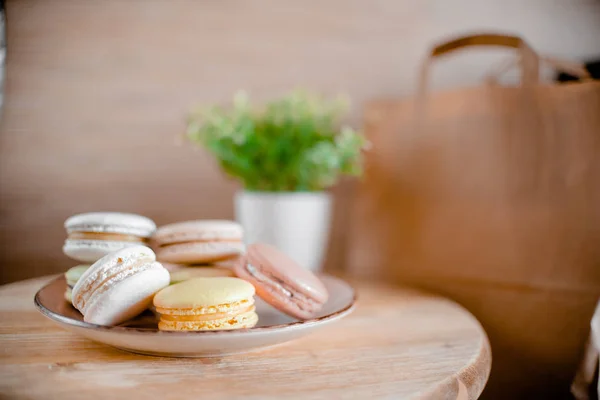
{"points": [[293, 143]]}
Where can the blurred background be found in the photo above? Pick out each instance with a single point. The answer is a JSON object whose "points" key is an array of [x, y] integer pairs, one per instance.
{"points": [[96, 93]]}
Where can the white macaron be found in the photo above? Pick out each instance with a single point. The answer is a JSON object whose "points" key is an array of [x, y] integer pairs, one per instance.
{"points": [[91, 236], [119, 286]]}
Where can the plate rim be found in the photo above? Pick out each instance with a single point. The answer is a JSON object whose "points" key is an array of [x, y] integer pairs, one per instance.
{"points": [[146, 331]]}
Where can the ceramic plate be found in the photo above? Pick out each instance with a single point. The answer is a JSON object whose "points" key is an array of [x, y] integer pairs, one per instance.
{"points": [[141, 334]]}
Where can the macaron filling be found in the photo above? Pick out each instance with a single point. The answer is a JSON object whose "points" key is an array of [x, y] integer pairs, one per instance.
{"points": [[206, 317], [239, 321], [210, 245], [277, 286], [145, 231], [219, 308], [180, 242], [117, 237]]}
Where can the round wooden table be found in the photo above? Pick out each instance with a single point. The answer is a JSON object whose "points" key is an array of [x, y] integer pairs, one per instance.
{"points": [[398, 343]]}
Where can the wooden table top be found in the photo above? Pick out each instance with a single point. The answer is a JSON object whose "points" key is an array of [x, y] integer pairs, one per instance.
{"points": [[398, 343]]}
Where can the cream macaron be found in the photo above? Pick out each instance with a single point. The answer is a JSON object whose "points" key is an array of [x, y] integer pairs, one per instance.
{"points": [[91, 236], [119, 286], [198, 242], [202, 304]]}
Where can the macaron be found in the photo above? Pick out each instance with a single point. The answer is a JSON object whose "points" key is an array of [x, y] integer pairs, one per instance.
{"points": [[119, 286], [186, 273], [281, 282], [198, 242], [172, 267], [91, 236], [204, 304], [71, 277]]}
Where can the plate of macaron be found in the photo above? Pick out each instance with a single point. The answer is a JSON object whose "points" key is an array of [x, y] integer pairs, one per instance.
{"points": [[186, 289]]}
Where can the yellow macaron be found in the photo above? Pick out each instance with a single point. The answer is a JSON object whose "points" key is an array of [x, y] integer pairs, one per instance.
{"points": [[201, 304]]}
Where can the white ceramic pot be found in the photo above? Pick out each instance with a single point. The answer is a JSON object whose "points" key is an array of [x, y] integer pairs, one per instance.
{"points": [[295, 222]]}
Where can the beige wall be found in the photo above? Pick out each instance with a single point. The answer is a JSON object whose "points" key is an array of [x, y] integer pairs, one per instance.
{"points": [[97, 91]]}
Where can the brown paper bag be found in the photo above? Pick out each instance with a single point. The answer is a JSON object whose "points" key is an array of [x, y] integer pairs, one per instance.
{"points": [[490, 195]]}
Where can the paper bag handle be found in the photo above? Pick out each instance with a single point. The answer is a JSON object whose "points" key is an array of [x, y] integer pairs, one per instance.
{"points": [[528, 58]]}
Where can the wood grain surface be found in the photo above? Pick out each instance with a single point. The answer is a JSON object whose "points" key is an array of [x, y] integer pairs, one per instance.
{"points": [[399, 343]]}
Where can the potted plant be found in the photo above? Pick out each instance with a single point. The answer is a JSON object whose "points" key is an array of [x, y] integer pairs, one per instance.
{"points": [[286, 153]]}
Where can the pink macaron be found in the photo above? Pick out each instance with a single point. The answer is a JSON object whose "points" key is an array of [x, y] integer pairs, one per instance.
{"points": [[281, 282], [119, 286], [198, 242]]}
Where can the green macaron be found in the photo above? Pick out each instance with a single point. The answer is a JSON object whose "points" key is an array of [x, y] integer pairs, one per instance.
{"points": [[72, 276]]}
